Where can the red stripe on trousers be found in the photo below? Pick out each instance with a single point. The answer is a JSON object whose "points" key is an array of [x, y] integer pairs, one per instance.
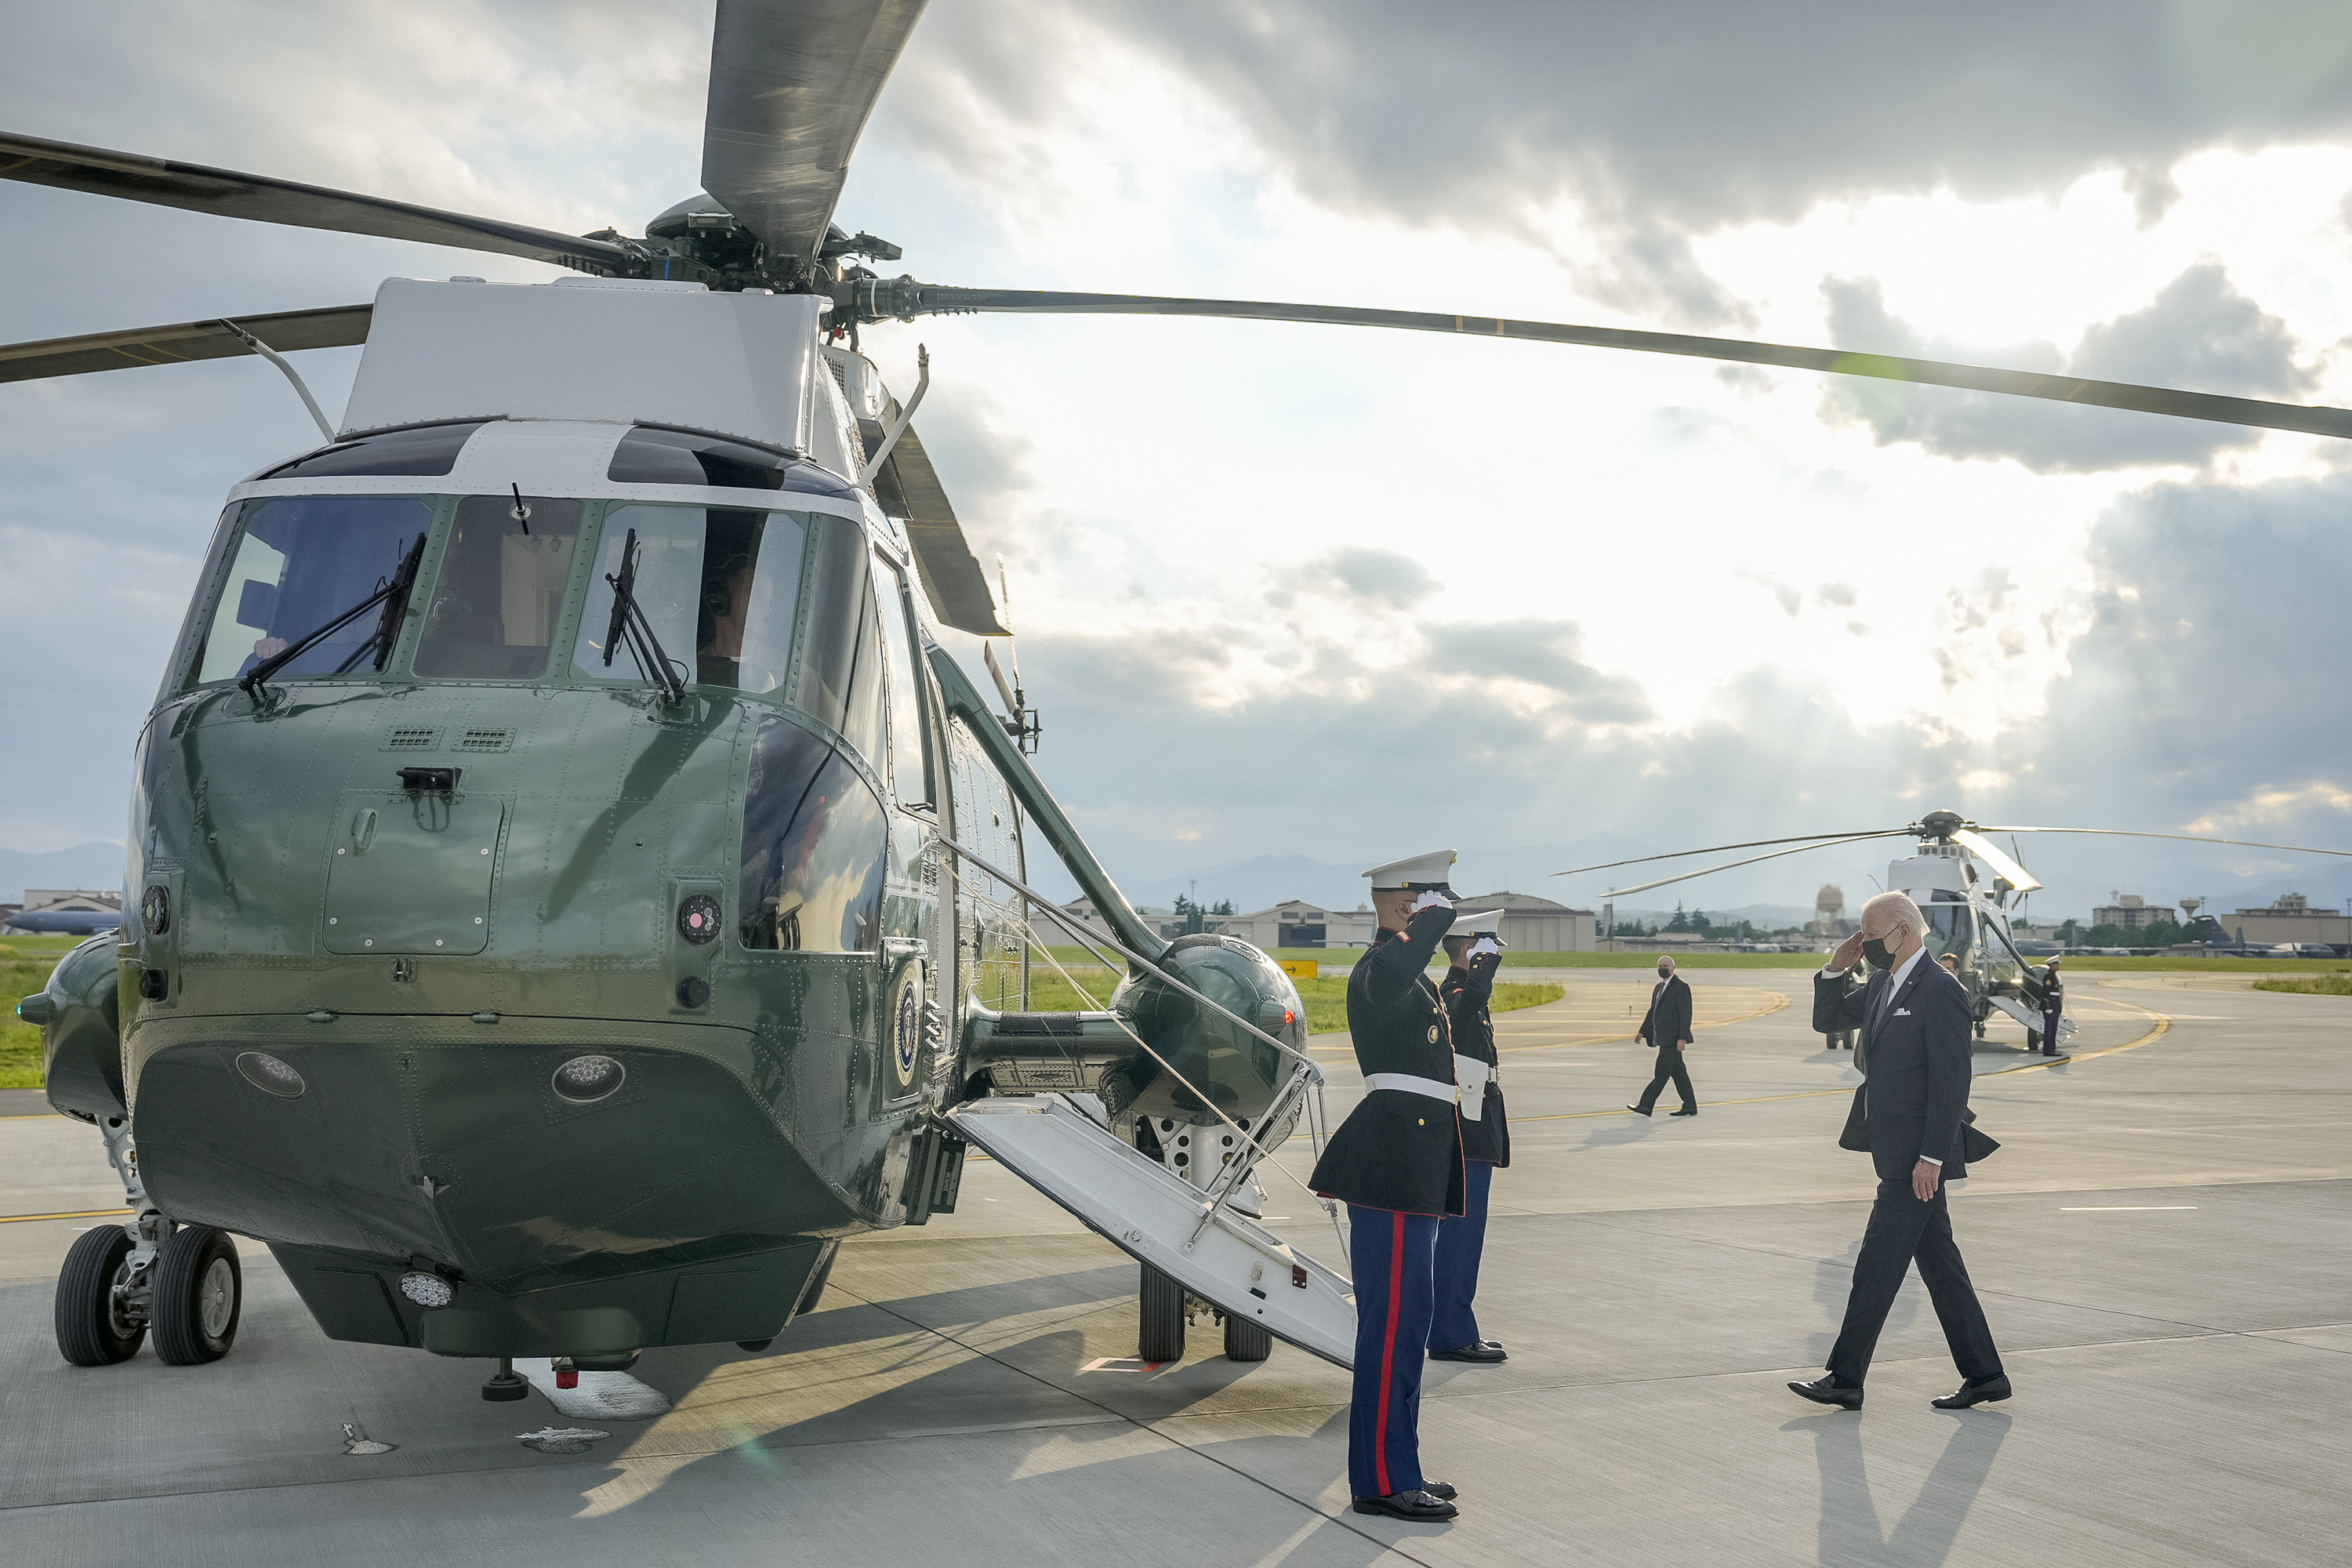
{"points": [[1388, 1352]]}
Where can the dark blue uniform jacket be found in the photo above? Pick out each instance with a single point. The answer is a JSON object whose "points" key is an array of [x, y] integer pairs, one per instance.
{"points": [[1398, 1149], [1467, 994]]}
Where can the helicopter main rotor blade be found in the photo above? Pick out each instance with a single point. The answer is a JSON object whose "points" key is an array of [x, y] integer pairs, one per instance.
{"points": [[1751, 844], [260, 198], [908, 487], [791, 82], [341, 326], [2183, 837], [1752, 859], [905, 300], [2019, 879]]}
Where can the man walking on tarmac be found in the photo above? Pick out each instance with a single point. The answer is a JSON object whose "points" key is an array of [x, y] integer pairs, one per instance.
{"points": [[1668, 1028], [1396, 1163], [1476, 948]]}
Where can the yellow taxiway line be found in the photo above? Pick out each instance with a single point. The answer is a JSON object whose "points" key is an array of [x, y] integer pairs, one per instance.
{"points": [[76, 1214]]}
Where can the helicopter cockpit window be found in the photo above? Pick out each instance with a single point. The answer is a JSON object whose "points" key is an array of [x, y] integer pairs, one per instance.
{"points": [[648, 456], [423, 451], [815, 840], [298, 563], [1951, 927], [719, 586], [841, 664], [500, 592]]}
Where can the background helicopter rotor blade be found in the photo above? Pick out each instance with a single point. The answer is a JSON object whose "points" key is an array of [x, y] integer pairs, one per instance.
{"points": [[340, 326], [2183, 837], [1751, 844], [791, 82], [1730, 865], [196, 188], [2019, 879], [908, 487], [905, 300]]}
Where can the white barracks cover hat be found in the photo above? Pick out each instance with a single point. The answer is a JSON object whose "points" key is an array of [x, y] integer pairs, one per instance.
{"points": [[1478, 922], [1413, 874]]}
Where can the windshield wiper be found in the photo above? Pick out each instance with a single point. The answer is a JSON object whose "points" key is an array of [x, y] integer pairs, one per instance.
{"points": [[393, 595], [629, 622]]}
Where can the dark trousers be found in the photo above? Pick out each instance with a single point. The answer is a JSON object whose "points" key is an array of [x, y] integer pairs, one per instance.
{"points": [[1461, 1244], [1670, 1066], [1903, 1231], [1391, 1256], [2049, 1032]]}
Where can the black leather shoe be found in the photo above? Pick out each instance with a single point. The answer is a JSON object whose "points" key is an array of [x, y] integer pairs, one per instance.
{"points": [[1969, 1394], [1417, 1508], [1637, 1111], [1829, 1391], [1492, 1345], [1442, 1491], [1486, 1353], [1688, 1110]]}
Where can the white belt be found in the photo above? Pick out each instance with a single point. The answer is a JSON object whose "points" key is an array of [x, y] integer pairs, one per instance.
{"points": [[1412, 1085]]}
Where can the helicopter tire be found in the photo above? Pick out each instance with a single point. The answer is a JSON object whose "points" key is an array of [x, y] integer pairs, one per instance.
{"points": [[1162, 1333], [91, 1330], [1247, 1339], [199, 1296]]}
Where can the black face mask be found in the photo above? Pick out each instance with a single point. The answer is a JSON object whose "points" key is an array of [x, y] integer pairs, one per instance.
{"points": [[1665, 974], [1875, 951]]}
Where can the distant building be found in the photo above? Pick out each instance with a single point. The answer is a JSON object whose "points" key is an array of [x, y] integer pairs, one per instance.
{"points": [[1297, 923], [1538, 925], [2291, 918], [63, 910], [2130, 912]]}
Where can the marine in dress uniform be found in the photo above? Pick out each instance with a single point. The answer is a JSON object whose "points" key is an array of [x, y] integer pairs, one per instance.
{"points": [[2054, 1007], [1396, 1163], [1476, 946]]}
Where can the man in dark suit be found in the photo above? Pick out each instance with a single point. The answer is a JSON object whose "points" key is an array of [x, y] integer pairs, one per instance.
{"points": [[1909, 1113], [1396, 1163], [1667, 1027]]}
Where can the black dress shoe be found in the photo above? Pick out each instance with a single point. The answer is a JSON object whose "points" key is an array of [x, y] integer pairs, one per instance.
{"points": [[1442, 1491], [1419, 1508], [1637, 1111], [1969, 1394], [1829, 1391], [1688, 1110], [1492, 1345], [1483, 1352]]}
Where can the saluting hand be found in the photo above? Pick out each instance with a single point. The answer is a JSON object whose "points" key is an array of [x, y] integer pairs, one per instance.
{"points": [[1848, 952]]}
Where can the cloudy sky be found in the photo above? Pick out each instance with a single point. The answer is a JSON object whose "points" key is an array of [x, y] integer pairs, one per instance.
{"points": [[1297, 590]]}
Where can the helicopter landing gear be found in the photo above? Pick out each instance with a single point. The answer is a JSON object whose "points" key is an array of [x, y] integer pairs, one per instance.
{"points": [[94, 1326], [1245, 1341], [1163, 1335], [105, 1299], [505, 1385], [198, 1295]]}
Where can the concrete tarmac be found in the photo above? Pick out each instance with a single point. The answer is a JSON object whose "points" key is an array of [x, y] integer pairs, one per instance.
{"points": [[2163, 1244]]}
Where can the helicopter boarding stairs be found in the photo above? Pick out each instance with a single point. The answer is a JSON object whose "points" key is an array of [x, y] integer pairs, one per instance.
{"points": [[1156, 1216]]}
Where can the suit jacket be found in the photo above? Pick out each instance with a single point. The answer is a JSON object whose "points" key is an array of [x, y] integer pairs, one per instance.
{"points": [[1668, 1021], [1398, 1149], [1915, 1097], [1467, 994]]}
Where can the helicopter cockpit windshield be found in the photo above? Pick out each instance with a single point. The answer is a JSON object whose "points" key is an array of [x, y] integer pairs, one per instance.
{"points": [[720, 586], [1951, 926], [296, 563]]}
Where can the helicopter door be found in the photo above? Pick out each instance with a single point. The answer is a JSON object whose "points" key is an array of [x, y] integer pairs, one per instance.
{"points": [[922, 964]]}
